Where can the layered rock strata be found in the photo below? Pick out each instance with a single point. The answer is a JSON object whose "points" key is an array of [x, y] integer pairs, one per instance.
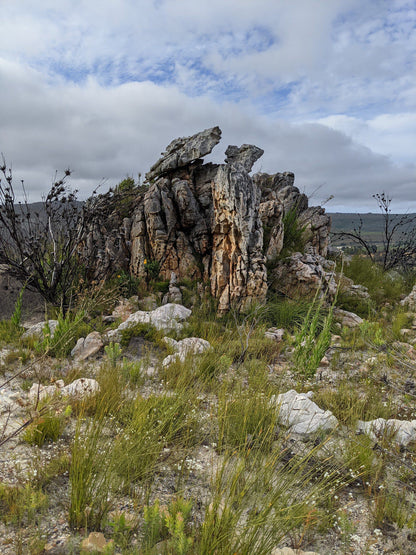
{"points": [[213, 222]]}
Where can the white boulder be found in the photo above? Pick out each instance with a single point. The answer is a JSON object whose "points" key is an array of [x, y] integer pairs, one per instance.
{"points": [[301, 415], [402, 431], [185, 347]]}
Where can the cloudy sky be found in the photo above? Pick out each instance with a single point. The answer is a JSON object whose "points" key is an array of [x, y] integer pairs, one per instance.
{"points": [[326, 87]]}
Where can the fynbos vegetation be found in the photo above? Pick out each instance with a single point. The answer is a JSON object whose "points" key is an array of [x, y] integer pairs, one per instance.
{"points": [[143, 418]]}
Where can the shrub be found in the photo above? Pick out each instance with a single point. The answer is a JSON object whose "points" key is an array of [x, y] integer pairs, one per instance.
{"points": [[21, 504], [147, 331], [310, 343], [48, 427], [383, 286]]}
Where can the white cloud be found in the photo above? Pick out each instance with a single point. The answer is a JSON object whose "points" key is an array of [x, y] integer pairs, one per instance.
{"points": [[326, 88], [108, 132]]}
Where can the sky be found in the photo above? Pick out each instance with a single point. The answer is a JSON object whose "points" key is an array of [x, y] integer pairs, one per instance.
{"points": [[326, 87]]}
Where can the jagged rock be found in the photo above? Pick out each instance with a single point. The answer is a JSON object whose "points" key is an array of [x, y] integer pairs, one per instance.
{"points": [[181, 152], [87, 347], [244, 156], [174, 294], [316, 224], [185, 347], [303, 275], [238, 271], [275, 333], [211, 222], [301, 415], [348, 319], [37, 329], [402, 431], [167, 317]]}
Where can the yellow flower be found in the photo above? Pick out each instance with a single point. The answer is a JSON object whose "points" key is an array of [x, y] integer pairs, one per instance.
{"points": [[145, 261]]}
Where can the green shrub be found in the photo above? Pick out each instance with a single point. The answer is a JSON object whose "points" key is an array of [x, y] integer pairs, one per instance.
{"points": [[349, 404], [311, 343], [70, 328], [127, 284], [92, 474], [382, 286], [47, 427], [21, 504], [287, 313], [169, 523], [9, 333], [147, 331]]}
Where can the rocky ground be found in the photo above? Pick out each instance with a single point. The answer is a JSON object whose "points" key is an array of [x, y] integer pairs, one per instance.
{"points": [[308, 413]]}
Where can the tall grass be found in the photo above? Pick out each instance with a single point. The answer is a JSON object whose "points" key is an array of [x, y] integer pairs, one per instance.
{"points": [[310, 343]]}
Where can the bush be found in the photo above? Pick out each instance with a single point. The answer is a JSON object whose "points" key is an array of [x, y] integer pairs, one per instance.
{"points": [[48, 427], [383, 286]]}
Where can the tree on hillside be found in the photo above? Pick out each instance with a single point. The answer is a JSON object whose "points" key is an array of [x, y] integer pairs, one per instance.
{"points": [[398, 238], [39, 247]]}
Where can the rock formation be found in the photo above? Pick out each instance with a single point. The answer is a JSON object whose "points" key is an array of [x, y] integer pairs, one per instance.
{"points": [[213, 222]]}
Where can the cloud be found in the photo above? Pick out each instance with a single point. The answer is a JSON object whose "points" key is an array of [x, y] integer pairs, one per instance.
{"points": [[326, 88], [109, 132]]}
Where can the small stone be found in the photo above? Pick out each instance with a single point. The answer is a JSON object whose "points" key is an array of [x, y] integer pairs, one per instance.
{"points": [[87, 347], [275, 333], [96, 542]]}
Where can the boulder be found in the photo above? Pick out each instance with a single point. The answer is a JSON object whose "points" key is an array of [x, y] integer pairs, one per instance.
{"points": [[185, 347], [301, 415], [167, 317], [41, 392], [81, 388], [37, 329], [87, 347], [181, 152], [302, 275], [401, 431], [348, 319]]}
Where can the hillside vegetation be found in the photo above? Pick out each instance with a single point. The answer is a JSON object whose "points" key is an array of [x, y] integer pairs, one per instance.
{"points": [[192, 455]]}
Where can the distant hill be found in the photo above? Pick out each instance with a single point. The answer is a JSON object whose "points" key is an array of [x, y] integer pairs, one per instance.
{"points": [[372, 228]]}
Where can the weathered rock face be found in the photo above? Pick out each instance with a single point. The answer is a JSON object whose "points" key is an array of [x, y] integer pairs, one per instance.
{"points": [[211, 221], [181, 152], [203, 221], [303, 275]]}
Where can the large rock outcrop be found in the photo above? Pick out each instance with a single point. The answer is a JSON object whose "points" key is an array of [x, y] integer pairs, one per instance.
{"points": [[213, 222]]}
